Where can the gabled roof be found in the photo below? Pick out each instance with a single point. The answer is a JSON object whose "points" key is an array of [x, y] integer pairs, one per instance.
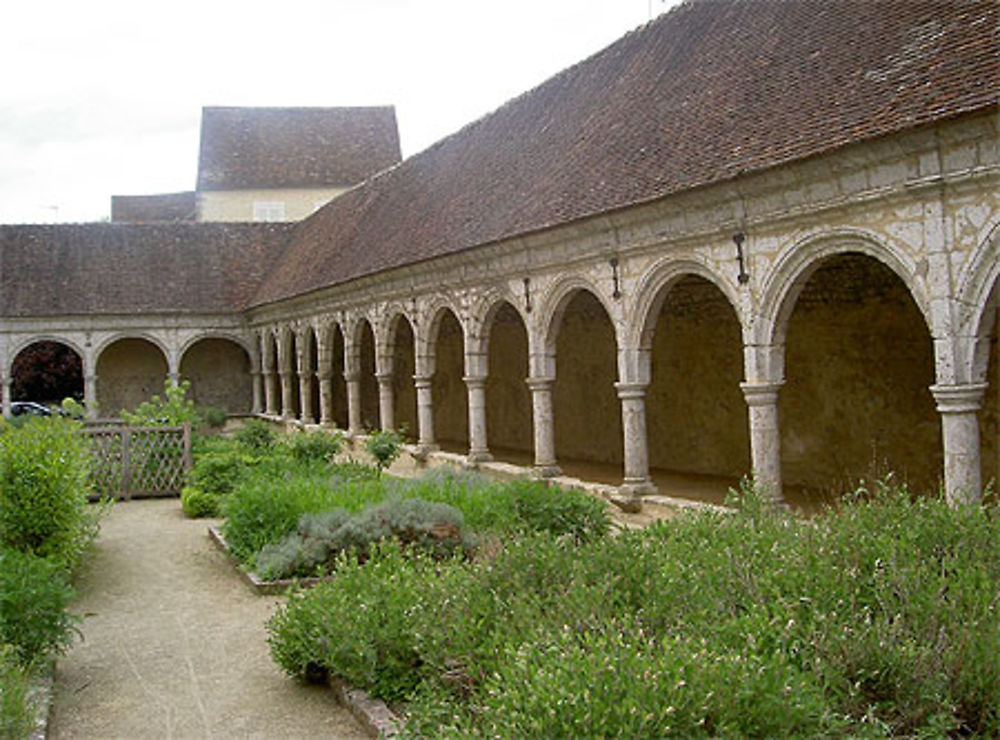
{"points": [[709, 91], [243, 148], [153, 208], [128, 268]]}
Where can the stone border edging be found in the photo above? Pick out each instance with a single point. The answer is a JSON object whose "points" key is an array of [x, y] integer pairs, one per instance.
{"points": [[40, 694], [373, 714]]}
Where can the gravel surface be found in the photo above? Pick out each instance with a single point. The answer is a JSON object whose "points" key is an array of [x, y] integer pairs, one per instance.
{"points": [[174, 643]]}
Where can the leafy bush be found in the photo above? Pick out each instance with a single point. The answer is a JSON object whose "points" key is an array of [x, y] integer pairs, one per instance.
{"points": [[433, 528], [34, 594], [197, 503], [17, 713], [879, 618], [219, 472], [385, 446], [44, 487], [315, 445], [171, 409], [559, 512], [256, 436], [212, 416]]}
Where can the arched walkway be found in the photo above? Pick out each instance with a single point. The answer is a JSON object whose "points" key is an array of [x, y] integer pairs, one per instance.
{"points": [[47, 372], [858, 364], [508, 399], [369, 384], [338, 383], [219, 372], [130, 371], [450, 397], [586, 410], [696, 414], [294, 409], [404, 392]]}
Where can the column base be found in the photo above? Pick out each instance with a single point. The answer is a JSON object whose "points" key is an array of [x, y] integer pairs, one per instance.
{"points": [[473, 459], [420, 452], [546, 471]]}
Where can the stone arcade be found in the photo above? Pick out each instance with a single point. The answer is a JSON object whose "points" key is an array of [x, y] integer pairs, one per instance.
{"points": [[746, 238]]}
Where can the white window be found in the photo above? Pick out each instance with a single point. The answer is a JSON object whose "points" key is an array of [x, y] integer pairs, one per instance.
{"points": [[268, 210]]}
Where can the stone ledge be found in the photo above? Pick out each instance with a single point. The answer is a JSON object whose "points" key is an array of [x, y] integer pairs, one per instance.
{"points": [[40, 694], [373, 714]]}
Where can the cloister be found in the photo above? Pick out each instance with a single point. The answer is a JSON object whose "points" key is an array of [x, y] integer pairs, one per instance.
{"points": [[811, 321]]}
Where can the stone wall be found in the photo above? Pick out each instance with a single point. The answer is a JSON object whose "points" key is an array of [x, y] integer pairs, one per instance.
{"points": [[130, 371], [219, 372]]}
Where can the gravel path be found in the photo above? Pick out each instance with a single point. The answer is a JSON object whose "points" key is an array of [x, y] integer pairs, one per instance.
{"points": [[174, 643]]}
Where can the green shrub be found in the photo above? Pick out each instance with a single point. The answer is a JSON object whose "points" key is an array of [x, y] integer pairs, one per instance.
{"points": [[256, 436], [314, 445], [385, 446], [558, 511], [197, 503], [44, 488], [212, 416], [218, 472], [171, 409], [34, 594], [17, 712], [433, 528]]}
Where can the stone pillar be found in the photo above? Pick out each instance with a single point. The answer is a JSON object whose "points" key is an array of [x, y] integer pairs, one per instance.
{"points": [[306, 413], [765, 437], [959, 408], [478, 448], [425, 413], [89, 396], [386, 413], [257, 379], [174, 377], [353, 403], [637, 481], [270, 396], [544, 426], [287, 400], [325, 399], [8, 384]]}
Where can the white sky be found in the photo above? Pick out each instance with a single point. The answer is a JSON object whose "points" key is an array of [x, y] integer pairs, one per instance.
{"points": [[102, 97]]}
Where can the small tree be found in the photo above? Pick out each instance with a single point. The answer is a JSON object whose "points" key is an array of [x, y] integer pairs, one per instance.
{"points": [[385, 446], [173, 409]]}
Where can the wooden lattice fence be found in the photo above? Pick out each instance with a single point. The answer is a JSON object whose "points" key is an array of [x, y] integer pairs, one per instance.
{"points": [[133, 462]]}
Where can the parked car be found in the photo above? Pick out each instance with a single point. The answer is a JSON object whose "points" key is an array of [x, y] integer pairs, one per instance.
{"points": [[29, 408]]}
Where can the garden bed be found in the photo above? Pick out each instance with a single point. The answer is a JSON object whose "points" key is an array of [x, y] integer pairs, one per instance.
{"points": [[258, 584]]}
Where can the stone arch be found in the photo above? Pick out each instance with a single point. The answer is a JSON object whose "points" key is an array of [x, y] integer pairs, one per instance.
{"points": [[798, 262], [446, 346], [145, 336], [218, 368], [270, 365], [582, 341], [338, 383], [696, 417], [364, 359], [433, 313], [486, 311], [553, 306], [308, 371], [504, 340], [400, 345], [130, 371], [859, 361], [978, 296], [228, 336], [46, 370]]}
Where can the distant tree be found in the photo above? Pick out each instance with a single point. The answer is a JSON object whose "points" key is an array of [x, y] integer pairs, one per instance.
{"points": [[46, 372]]}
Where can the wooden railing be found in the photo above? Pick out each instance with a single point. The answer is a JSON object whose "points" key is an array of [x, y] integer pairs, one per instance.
{"points": [[133, 462]]}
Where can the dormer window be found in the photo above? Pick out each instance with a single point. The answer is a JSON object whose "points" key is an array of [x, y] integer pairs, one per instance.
{"points": [[268, 210]]}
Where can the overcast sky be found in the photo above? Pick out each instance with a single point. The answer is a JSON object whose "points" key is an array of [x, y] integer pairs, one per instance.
{"points": [[104, 97]]}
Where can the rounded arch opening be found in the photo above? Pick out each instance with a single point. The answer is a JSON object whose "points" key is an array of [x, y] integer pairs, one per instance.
{"points": [[272, 388], [699, 441], [859, 361], [508, 399], [219, 372], [130, 371], [294, 400], [586, 411], [989, 416], [402, 346], [448, 390], [47, 371], [369, 384], [338, 384]]}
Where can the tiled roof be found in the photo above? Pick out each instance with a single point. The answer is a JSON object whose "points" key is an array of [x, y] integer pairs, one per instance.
{"points": [[153, 208], [130, 268], [244, 148], [711, 90]]}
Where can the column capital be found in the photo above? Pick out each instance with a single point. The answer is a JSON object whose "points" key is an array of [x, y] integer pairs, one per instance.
{"points": [[959, 399], [628, 391], [422, 381], [324, 375], [761, 394], [474, 381], [351, 375], [384, 378], [540, 383]]}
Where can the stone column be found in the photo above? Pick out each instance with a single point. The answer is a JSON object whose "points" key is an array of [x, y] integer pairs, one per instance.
{"points": [[425, 413], [637, 481], [325, 398], [174, 377], [8, 384], [544, 426], [959, 408], [353, 381], [386, 413], [307, 414], [270, 396], [257, 381], [89, 395], [765, 436], [287, 400], [478, 448]]}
